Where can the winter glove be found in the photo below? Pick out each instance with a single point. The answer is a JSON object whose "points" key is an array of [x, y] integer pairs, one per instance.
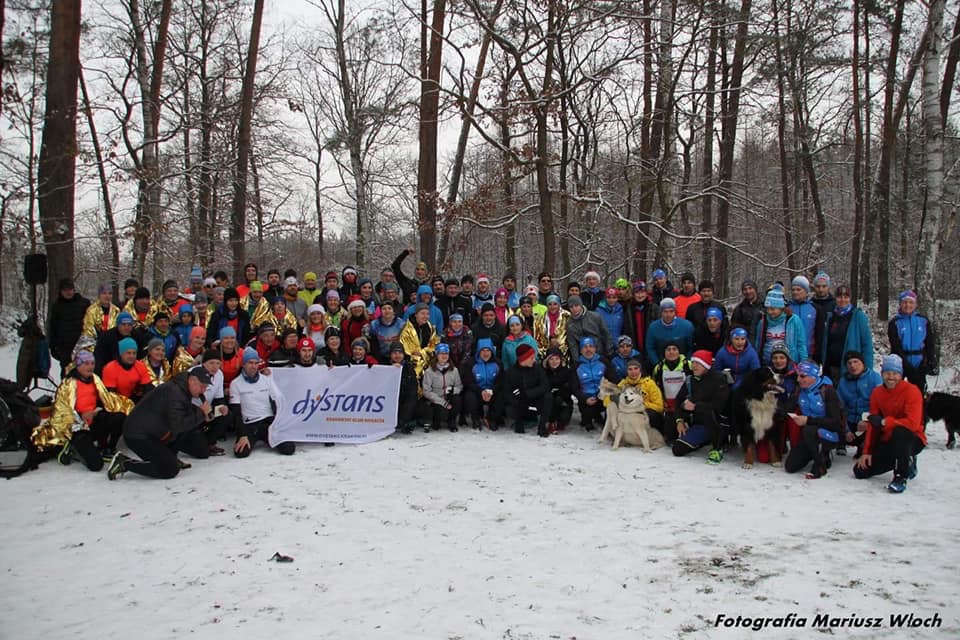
{"points": [[875, 421], [369, 365]]}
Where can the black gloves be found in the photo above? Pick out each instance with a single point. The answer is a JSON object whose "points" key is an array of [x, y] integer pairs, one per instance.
{"points": [[875, 421]]}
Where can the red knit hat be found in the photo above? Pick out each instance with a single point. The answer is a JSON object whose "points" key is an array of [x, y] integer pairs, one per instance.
{"points": [[703, 357], [525, 353], [306, 343], [611, 292]]}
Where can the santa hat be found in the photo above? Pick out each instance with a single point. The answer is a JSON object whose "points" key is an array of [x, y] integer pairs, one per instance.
{"points": [[355, 301], [703, 357]]}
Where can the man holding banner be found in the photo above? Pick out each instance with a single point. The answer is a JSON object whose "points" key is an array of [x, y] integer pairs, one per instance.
{"points": [[252, 396]]}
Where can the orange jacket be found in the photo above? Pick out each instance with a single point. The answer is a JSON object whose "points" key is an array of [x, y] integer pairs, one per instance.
{"points": [[901, 406]]}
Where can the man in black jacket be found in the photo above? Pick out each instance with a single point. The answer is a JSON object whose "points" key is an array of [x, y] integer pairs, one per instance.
{"points": [[166, 421], [66, 323], [525, 388], [702, 398]]}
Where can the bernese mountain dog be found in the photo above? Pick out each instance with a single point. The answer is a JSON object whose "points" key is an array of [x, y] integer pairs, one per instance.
{"points": [[754, 407]]}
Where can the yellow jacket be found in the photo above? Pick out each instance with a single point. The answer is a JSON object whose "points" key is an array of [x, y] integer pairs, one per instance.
{"points": [[410, 341], [652, 397], [148, 321], [93, 319], [540, 327], [289, 322], [259, 315], [181, 362], [164, 376], [57, 431]]}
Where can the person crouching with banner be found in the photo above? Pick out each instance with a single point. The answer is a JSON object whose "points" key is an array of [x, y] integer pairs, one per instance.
{"points": [[164, 422], [252, 397], [407, 405], [441, 391]]}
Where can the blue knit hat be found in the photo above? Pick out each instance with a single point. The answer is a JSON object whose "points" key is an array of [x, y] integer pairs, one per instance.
{"points": [[484, 343], [774, 299], [443, 347], [228, 332], [738, 332], [250, 354], [713, 312], [127, 344], [587, 340], [801, 281], [892, 362], [808, 368], [659, 273], [822, 278], [124, 317]]}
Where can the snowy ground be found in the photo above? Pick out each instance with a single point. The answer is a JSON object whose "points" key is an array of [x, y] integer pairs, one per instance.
{"points": [[469, 535]]}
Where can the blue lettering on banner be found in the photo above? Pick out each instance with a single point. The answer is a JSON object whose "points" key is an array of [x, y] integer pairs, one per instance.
{"points": [[347, 403]]}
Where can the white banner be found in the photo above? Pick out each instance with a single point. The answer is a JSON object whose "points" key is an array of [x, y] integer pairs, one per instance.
{"points": [[343, 404]]}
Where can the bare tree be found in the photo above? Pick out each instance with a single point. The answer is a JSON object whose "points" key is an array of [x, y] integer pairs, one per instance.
{"points": [[239, 213], [58, 147]]}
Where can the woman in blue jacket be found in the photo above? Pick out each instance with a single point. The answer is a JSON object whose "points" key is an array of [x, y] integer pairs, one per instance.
{"points": [[845, 329]]}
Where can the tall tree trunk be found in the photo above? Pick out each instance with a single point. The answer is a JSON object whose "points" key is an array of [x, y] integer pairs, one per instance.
{"points": [[541, 113], [729, 118], [782, 141], [205, 209], [456, 170], [881, 190], [104, 186], [857, 159], [866, 290], [506, 162], [318, 198], [930, 235], [708, 130], [150, 82], [950, 70], [58, 146], [238, 217], [429, 121]]}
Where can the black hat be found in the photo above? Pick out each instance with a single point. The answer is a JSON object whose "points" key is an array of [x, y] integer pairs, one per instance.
{"points": [[853, 355], [169, 283], [141, 293], [688, 277], [161, 316], [331, 332], [230, 292], [211, 354], [266, 326], [487, 306], [396, 346], [200, 374], [451, 281], [130, 282], [66, 283]]}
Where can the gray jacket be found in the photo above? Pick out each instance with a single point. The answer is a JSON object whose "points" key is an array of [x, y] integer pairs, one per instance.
{"points": [[435, 384], [588, 324]]}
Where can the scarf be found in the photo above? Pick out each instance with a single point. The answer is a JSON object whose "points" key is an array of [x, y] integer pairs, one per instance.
{"points": [[251, 379], [844, 310]]}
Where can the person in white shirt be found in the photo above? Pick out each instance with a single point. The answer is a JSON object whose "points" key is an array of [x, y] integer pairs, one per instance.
{"points": [[252, 397]]}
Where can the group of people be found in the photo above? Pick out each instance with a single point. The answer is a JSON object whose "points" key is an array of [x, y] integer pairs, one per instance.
{"points": [[179, 371]]}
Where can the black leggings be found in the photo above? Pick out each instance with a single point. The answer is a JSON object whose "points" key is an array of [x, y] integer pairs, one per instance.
{"points": [[518, 408], [809, 448], [892, 455], [473, 405], [259, 431], [438, 415], [158, 459], [104, 433], [591, 414]]}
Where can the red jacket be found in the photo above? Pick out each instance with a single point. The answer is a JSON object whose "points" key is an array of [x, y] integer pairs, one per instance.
{"points": [[901, 406]]}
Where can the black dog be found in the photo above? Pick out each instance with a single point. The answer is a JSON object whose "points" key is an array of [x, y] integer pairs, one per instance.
{"points": [[943, 406], [753, 409]]}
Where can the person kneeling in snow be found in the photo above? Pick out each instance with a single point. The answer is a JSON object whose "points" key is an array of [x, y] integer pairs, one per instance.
{"points": [[253, 396], [820, 419], [894, 427], [164, 422], [526, 390], [699, 403]]}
